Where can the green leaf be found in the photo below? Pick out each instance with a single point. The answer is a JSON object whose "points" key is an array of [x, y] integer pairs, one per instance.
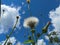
{"points": [[56, 39], [53, 33], [28, 41]]}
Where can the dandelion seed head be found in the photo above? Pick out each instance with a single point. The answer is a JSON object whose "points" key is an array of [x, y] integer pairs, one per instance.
{"points": [[30, 22]]}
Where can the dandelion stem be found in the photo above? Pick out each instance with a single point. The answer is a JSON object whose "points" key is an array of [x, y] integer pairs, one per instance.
{"points": [[36, 36], [11, 32], [29, 10], [33, 43]]}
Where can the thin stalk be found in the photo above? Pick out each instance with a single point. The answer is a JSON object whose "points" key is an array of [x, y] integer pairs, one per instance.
{"points": [[33, 43], [11, 32], [36, 37], [29, 10]]}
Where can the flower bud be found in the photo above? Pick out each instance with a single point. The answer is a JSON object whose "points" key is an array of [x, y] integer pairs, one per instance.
{"points": [[17, 17], [51, 39], [38, 35], [44, 30], [28, 1], [29, 37]]}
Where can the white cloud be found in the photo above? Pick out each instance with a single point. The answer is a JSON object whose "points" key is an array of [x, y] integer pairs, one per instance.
{"points": [[23, 3], [23, 12], [19, 43], [54, 15], [41, 42], [46, 37], [55, 18], [11, 39], [8, 18]]}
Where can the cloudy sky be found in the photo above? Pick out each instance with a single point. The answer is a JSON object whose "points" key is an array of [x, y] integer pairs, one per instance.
{"points": [[44, 10]]}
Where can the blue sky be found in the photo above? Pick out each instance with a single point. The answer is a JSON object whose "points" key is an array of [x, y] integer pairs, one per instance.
{"points": [[39, 9]]}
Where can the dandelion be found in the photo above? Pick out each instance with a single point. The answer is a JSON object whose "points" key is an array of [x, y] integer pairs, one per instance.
{"points": [[30, 22]]}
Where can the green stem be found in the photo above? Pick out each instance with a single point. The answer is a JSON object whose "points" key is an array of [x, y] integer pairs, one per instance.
{"points": [[9, 36], [29, 10], [11, 32], [32, 36], [33, 43], [36, 37]]}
